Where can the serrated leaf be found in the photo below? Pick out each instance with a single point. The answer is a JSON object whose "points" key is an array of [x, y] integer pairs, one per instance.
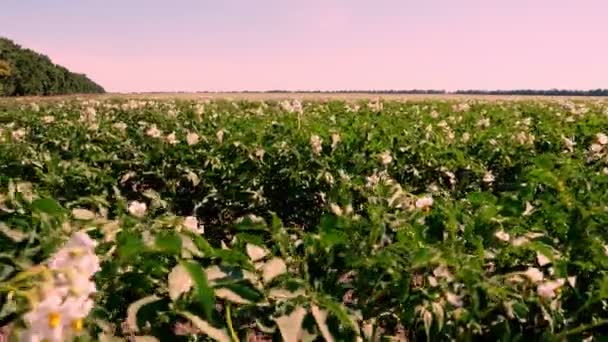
{"points": [[273, 268], [179, 281], [217, 334], [134, 308], [255, 252], [320, 317], [214, 273], [290, 325], [204, 293], [227, 294], [340, 312], [283, 294], [189, 249]]}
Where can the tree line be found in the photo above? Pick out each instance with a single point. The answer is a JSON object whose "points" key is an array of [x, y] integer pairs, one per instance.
{"points": [[531, 92], [26, 72]]}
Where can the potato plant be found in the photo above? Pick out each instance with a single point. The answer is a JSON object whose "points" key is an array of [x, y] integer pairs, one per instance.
{"points": [[228, 220]]}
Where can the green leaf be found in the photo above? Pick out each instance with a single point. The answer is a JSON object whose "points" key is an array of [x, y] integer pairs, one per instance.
{"points": [[604, 287], [339, 311], [47, 206], [129, 245], [169, 242], [217, 334], [204, 293], [134, 308], [244, 290]]}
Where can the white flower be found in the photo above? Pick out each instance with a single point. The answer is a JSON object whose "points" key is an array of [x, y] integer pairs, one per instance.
{"points": [[47, 119], [75, 310], [483, 123], [488, 177], [373, 180], [88, 115], [34, 106], [137, 209], [335, 209], [121, 126], [259, 153], [192, 138], [596, 147], [220, 135], [171, 139], [335, 140], [569, 143], [529, 209], [442, 271], [434, 114], [316, 144], [602, 138], [18, 134], [375, 105], [451, 177], [424, 202], [45, 321], [547, 289], [520, 241], [453, 299], [153, 132], [465, 137], [191, 224], [78, 253], [534, 274], [502, 235], [386, 158], [65, 297]]}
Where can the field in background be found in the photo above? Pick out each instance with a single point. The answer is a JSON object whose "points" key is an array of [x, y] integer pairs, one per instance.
{"points": [[436, 218], [303, 97]]}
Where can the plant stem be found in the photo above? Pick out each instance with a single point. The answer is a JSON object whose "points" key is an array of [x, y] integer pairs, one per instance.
{"points": [[580, 329], [233, 334]]}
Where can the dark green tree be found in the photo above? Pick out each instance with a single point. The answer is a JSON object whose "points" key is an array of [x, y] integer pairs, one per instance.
{"points": [[25, 72]]}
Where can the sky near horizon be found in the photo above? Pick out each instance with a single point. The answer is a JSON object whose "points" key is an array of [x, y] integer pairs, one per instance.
{"points": [[231, 45]]}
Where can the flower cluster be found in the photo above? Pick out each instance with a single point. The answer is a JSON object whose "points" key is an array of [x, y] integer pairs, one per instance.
{"points": [[64, 299]]}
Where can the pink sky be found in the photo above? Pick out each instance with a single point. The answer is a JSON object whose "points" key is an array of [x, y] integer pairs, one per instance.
{"points": [[192, 45]]}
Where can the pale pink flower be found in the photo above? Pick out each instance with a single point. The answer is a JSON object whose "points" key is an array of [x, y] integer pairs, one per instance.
{"points": [[172, 139], [153, 132], [316, 144], [502, 235], [534, 274], [424, 202], [488, 177], [192, 138], [386, 158], [137, 209], [602, 138]]}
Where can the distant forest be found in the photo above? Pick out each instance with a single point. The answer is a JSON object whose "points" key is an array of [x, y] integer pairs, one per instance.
{"points": [[26, 72]]}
